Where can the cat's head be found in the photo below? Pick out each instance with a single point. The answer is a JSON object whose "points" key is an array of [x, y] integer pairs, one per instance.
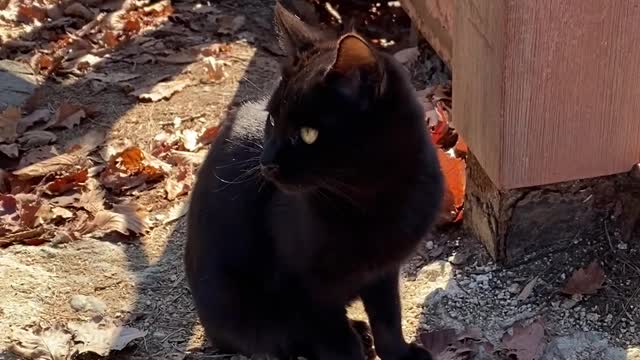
{"points": [[342, 112]]}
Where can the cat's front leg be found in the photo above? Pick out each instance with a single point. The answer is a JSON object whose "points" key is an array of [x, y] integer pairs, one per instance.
{"points": [[382, 303]]}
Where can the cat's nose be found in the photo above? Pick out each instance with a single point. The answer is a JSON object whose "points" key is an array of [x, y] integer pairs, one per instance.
{"points": [[270, 171]]}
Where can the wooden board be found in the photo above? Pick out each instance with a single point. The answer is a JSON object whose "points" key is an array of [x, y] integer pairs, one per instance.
{"points": [[544, 91], [434, 19]]}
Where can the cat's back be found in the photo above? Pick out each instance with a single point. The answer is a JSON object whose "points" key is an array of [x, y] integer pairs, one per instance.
{"points": [[228, 198]]}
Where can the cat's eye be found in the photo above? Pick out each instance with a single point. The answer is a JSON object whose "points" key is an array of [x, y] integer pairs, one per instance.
{"points": [[270, 120], [308, 135]]}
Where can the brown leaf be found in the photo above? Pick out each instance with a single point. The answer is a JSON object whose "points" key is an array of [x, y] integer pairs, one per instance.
{"points": [[28, 206], [9, 120], [44, 63], [179, 181], [10, 150], [526, 343], [42, 343], [177, 211], [67, 182], [78, 10], [54, 164], [528, 289], [159, 91], [110, 39], [91, 200], [229, 25], [123, 219], [209, 135], [30, 13], [67, 116], [586, 281], [40, 115], [128, 169], [35, 138]]}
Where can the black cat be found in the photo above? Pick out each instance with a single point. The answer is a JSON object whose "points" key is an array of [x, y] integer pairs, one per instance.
{"points": [[312, 200]]}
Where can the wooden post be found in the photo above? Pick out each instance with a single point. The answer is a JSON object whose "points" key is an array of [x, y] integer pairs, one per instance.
{"points": [[545, 94]]}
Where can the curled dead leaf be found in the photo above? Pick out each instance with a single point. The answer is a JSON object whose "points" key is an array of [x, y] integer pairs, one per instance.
{"points": [[123, 219], [52, 343], [35, 138], [67, 116], [10, 150], [54, 164], [525, 342], [130, 168], [101, 339], [40, 115], [9, 120], [67, 182], [586, 281], [159, 91], [209, 135]]}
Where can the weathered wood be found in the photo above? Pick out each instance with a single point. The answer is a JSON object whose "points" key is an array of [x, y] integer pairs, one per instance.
{"points": [[513, 224], [544, 90], [434, 19]]}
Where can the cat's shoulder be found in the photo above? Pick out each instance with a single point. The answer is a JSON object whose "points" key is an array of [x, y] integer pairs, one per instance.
{"points": [[249, 120]]}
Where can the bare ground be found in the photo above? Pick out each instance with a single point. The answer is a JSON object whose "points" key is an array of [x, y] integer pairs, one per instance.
{"points": [[450, 283]]}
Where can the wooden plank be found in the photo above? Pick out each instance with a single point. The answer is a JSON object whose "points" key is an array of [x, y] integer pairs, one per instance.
{"points": [[546, 91], [434, 19]]}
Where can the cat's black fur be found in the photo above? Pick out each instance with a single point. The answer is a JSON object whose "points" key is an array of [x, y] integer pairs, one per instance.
{"points": [[272, 259]]}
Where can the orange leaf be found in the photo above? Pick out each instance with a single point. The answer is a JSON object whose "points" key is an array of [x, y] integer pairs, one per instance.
{"points": [[110, 39], [209, 135], [128, 169], [30, 13], [68, 182], [453, 170]]}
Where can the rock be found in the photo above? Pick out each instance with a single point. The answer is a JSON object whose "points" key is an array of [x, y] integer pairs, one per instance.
{"points": [[87, 303], [18, 83]]}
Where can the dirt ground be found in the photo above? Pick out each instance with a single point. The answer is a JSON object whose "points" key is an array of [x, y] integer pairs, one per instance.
{"points": [[449, 284]]}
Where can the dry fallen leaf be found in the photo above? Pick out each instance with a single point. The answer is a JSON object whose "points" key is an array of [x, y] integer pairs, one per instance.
{"points": [[78, 10], [209, 135], [67, 116], [159, 91], [179, 181], [106, 221], [229, 25], [101, 339], [130, 168], [177, 211], [42, 344], [67, 182], [526, 342], [35, 138], [54, 164], [91, 200], [9, 120], [30, 13], [10, 150], [585, 281], [453, 170], [214, 70], [189, 139], [448, 345], [40, 115], [528, 289]]}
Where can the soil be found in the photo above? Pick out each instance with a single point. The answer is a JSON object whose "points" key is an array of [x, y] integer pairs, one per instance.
{"points": [[450, 283]]}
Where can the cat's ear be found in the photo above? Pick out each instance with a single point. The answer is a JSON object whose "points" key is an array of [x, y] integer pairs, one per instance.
{"points": [[356, 71], [353, 53], [294, 35]]}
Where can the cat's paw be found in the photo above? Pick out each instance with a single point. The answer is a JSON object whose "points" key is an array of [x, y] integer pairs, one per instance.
{"points": [[417, 352]]}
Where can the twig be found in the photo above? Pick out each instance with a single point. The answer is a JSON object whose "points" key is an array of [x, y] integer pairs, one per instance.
{"points": [[23, 235], [606, 231], [333, 12]]}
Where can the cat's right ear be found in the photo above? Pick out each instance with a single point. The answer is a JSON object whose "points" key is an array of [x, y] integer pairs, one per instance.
{"points": [[294, 35]]}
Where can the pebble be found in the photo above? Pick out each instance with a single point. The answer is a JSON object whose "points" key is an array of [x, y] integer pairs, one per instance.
{"points": [[87, 303]]}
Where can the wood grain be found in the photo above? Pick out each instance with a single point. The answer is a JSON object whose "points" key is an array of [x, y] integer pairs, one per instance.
{"points": [[548, 91], [434, 19]]}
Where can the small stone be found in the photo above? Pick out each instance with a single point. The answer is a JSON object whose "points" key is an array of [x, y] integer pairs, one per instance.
{"points": [[622, 246], [87, 303], [429, 245], [514, 289]]}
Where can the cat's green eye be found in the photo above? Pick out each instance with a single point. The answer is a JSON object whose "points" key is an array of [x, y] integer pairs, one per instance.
{"points": [[308, 135]]}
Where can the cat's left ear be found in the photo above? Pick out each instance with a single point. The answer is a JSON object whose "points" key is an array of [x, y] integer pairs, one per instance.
{"points": [[356, 64], [294, 35]]}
